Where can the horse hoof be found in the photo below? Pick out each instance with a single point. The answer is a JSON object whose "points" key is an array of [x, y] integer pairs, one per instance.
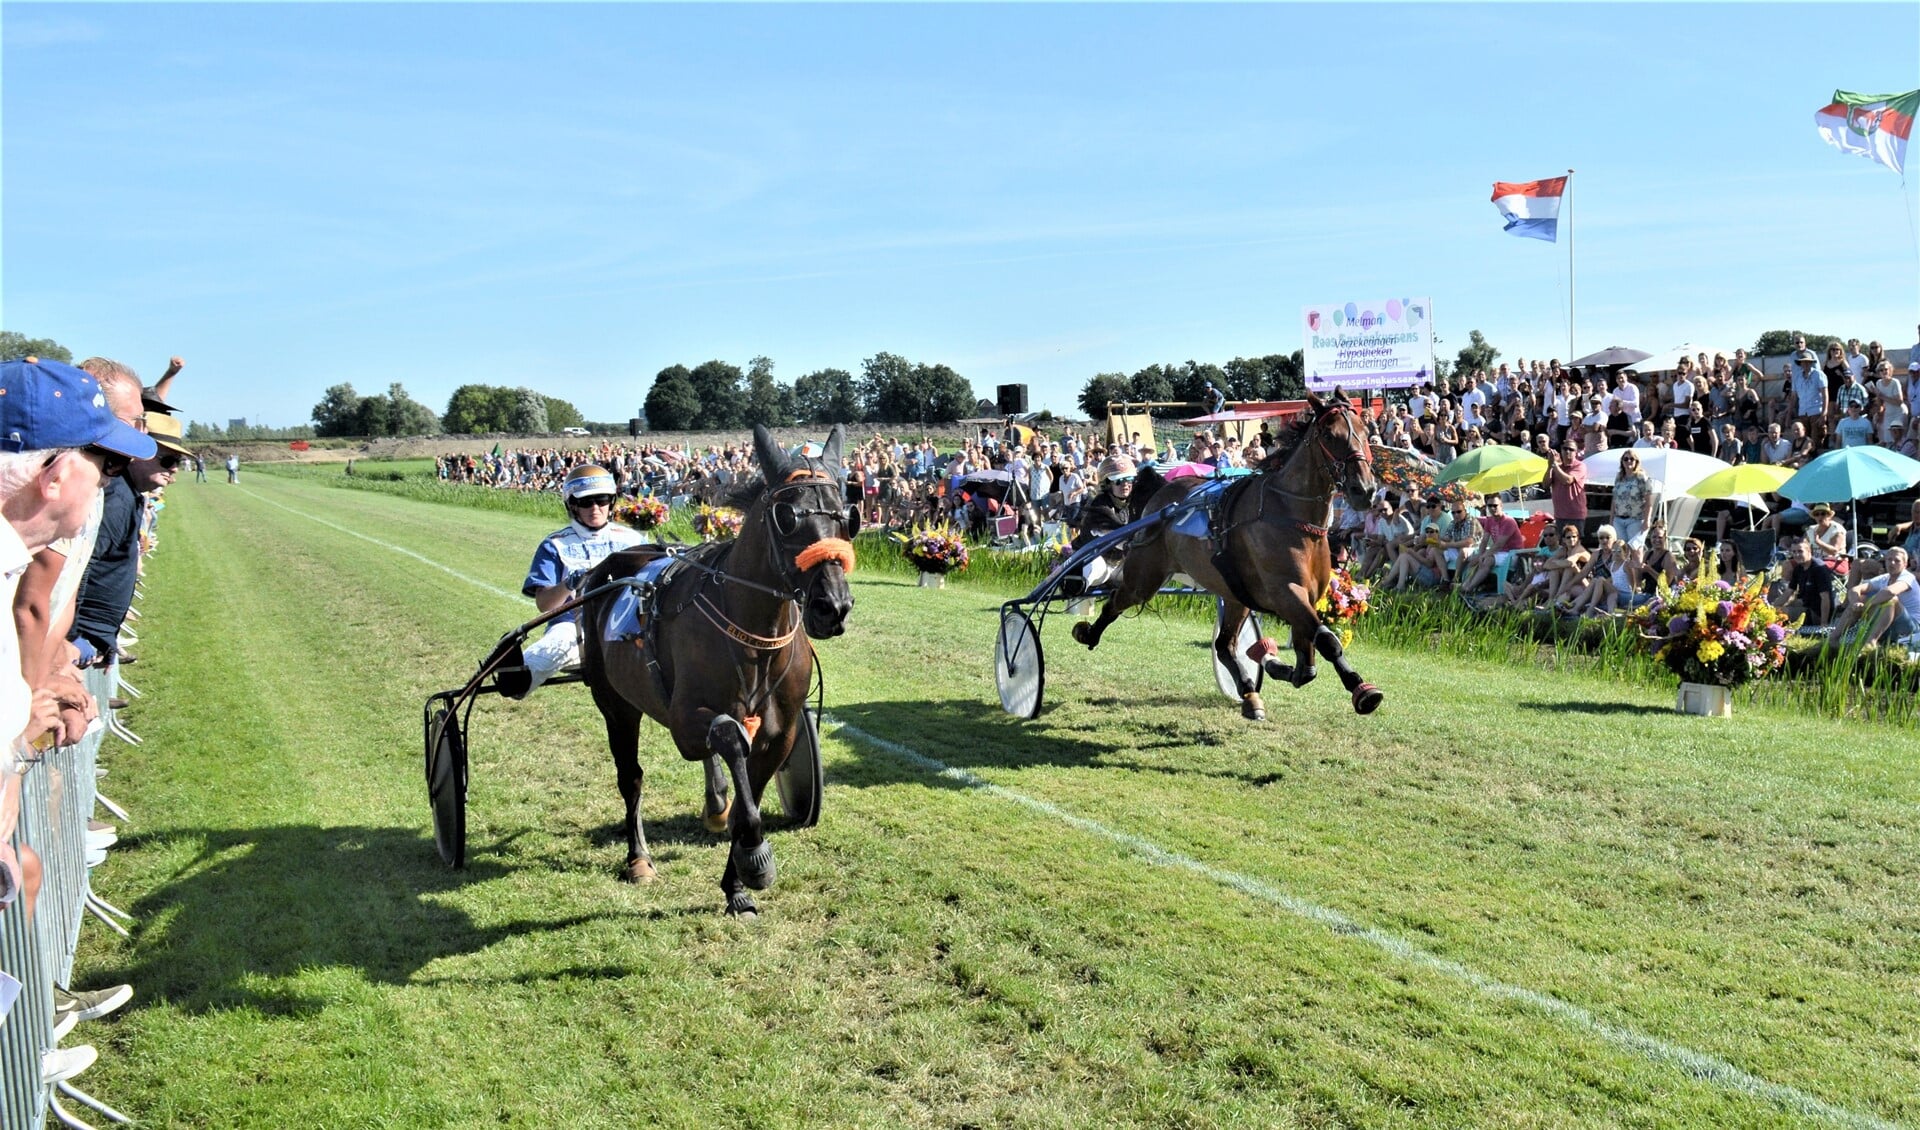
{"points": [[638, 870], [1367, 698], [716, 822], [1252, 709], [1083, 634], [742, 906], [755, 868]]}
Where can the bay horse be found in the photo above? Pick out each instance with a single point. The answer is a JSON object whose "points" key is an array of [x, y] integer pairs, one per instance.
{"points": [[1267, 549], [726, 664]]}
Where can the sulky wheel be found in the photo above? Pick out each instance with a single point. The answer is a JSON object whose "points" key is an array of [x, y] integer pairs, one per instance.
{"points": [[447, 785], [803, 779], [1019, 669]]}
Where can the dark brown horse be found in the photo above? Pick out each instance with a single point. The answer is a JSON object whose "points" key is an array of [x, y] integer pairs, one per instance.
{"points": [[1271, 537], [730, 664]]}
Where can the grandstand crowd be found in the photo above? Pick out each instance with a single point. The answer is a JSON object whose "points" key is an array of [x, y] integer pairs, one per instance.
{"points": [[85, 452], [1564, 544]]}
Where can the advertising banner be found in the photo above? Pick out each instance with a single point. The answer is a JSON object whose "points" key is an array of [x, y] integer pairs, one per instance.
{"points": [[1372, 345]]}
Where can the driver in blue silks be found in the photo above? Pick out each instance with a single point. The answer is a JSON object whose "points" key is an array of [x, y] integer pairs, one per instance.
{"points": [[563, 561]]}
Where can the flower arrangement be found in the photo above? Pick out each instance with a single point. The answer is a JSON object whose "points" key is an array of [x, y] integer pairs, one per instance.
{"points": [[934, 547], [643, 513], [1344, 602], [1709, 631], [716, 523]]}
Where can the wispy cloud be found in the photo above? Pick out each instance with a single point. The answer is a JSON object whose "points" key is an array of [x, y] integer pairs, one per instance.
{"points": [[50, 32]]}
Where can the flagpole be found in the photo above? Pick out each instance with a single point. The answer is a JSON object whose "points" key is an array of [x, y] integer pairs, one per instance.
{"points": [[1572, 303]]}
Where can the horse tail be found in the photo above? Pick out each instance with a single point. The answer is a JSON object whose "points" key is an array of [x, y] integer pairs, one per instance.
{"points": [[1146, 483]]}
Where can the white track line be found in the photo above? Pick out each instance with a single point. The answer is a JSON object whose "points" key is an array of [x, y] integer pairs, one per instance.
{"points": [[1699, 1065], [400, 549]]}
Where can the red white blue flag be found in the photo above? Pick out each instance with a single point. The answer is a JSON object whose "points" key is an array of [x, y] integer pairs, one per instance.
{"points": [[1531, 208]]}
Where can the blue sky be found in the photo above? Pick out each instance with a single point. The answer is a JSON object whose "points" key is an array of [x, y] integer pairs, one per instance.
{"points": [[572, 197]]}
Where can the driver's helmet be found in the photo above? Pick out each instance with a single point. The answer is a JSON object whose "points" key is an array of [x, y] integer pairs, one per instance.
{"points": [[587, 481], [1117, 468]]}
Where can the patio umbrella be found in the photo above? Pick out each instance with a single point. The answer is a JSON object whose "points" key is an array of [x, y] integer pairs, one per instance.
{"points": [[1849, 474], [1198, 470], [1505, 476], [1675, 470], [1611, 355], [1747, 478], [1485, 458]]}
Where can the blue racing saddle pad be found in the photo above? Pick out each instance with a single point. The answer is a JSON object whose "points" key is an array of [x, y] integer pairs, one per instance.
{"points": [[633, 604], [1189, 515]]}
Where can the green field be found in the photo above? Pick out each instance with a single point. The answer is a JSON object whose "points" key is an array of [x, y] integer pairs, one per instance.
{"points": [[1515, 896]]}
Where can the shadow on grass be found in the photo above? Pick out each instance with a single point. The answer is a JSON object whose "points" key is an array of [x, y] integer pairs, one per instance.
{"points": [[1582, 707], [256, 904], [976, 735]]}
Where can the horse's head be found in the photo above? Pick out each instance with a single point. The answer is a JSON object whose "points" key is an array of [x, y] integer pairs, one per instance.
{"points": [[810, 528], [1342, 440]]}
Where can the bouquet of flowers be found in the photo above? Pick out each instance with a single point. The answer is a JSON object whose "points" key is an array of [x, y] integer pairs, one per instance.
{"points": [[716, 523], [934, 547], [643, 513], [1344, 602], [1708, 631]]}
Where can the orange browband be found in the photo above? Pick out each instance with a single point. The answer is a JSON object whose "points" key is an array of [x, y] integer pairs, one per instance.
{"points": [[826, 549]]}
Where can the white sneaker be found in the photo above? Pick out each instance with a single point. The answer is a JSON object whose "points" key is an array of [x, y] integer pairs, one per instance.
{"points": [[62, 1064], [95, 857], [63, 1023], [101, 841]]}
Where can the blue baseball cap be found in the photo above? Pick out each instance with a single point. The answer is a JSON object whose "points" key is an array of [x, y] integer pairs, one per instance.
{"points": [[46, 406]]}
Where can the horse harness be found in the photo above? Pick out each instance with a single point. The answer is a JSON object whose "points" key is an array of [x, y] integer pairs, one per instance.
{"points": [[1220, 527]]}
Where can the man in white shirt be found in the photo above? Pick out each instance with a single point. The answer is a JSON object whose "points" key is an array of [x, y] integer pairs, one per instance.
{"points": [[1856, 360], [1473, 401]]}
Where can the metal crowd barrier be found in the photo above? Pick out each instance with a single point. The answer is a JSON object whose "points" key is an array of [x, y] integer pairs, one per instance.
{"points": [[56, 803]]}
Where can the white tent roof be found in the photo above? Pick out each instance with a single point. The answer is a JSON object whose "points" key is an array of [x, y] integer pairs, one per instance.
{"points": [[1670, 359]]}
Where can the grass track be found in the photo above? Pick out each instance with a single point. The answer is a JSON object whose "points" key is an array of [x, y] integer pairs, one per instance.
{"points": [[934, 955]]}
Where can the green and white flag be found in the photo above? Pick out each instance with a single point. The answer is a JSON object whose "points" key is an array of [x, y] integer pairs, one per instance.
{"points": [[1874, 126]]}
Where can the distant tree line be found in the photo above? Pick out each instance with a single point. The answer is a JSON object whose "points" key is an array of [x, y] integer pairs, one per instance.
{"points": [[198, 432], [718, 396], [14, 346], [1277, 376], [472, 409]]}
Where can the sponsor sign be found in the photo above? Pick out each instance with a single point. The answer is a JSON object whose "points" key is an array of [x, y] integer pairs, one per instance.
{"points": [[1372, 345]]}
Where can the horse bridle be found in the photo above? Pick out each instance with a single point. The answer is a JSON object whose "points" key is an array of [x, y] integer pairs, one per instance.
{"points": [[1362, 454], [784, 519]]}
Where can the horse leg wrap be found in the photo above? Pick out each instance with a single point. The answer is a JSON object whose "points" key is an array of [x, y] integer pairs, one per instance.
{"points": [[740, 904], [1328, 645], [755, 866]]}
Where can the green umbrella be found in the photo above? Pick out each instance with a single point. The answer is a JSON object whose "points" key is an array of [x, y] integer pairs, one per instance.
{"points": [[1488, 457]]}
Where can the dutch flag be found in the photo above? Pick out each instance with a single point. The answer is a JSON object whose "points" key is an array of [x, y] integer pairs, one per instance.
{"points": [[1531, 208]]}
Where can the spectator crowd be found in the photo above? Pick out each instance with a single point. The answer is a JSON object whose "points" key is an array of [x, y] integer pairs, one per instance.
{"points": [[85, 452]]}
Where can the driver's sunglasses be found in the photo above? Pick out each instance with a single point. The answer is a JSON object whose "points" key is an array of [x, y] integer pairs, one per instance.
{"points": [[592, 500], [168, 461]]}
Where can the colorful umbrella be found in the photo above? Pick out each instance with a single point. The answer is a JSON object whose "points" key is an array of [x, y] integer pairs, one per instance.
{"points": [[1852, 473], [1483, 459], [1506, 476], [1747, 478]]}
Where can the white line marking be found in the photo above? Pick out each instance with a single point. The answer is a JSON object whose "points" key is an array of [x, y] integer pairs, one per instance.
{"points": [[1700, 1065], [1697, 1064], [400, 549]]}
